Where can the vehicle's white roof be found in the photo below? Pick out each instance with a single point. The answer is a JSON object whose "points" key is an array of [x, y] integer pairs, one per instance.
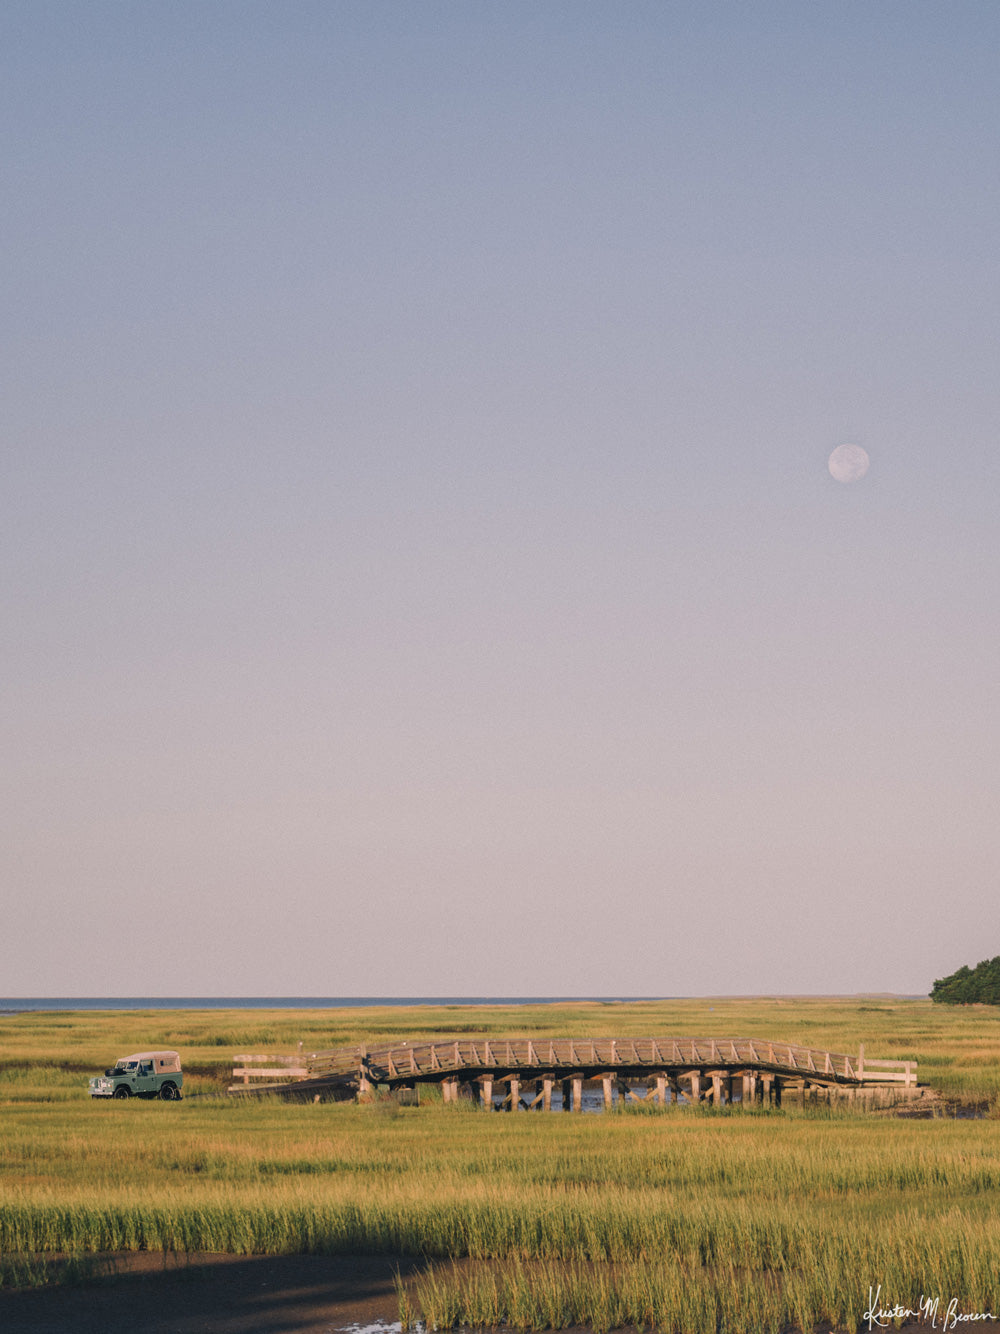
{"points": [[150, 1055]]}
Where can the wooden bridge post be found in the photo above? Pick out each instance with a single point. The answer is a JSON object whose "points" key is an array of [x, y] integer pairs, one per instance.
{"points": [[515, 1094], [766, 1088], [608, 1084], [577, 1082], [696, 1086], [449, 1089], [547, 1083], [486, 1091], [747, 1088], [716, 1088]]}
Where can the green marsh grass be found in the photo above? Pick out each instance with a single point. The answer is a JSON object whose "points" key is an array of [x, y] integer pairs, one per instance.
{"points": [[676, 1218]]}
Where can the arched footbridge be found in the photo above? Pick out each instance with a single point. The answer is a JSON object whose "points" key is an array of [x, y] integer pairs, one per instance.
{"points": [[527, 1072]]}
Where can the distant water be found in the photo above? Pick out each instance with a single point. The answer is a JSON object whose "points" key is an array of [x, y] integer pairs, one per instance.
{"points": [[17, 1005]]}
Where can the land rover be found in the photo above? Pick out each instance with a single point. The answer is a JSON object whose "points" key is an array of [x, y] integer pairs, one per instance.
{"points": [[147, 1074]]}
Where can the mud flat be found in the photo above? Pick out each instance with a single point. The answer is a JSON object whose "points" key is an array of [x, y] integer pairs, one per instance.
{"points": [[224, 1294]]}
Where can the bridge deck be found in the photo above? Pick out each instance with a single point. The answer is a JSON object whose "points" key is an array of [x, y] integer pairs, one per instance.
{"points": [[469, 1059]]}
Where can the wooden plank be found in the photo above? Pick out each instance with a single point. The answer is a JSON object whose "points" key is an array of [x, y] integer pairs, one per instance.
{"points": [[886, 1077], [275, 1059], [275, 1072]]}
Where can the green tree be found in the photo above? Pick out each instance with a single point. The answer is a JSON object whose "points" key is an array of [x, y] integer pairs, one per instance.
{"points": [[968, 986]]}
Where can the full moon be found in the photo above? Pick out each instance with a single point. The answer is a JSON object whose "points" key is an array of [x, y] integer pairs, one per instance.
{"points": [[848, 463]]}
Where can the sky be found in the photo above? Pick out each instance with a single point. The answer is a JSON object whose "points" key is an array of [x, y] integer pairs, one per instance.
{"points": [[421, 574]]}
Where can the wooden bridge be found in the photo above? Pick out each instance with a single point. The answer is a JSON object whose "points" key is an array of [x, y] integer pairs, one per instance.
{"points": [[526, 1071]]}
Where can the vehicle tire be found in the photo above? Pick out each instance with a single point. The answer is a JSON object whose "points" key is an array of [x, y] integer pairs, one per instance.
{"points": [[122, 1091], [168, 1092]]}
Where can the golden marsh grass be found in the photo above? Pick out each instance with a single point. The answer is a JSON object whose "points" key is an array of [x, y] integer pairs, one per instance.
{"points": [[680, 1218]]}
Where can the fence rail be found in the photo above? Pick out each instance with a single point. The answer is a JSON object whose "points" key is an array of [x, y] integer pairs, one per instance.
{"points": [[269, 1068]]}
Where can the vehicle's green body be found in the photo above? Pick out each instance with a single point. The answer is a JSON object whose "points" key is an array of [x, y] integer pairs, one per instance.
{"points": [[147, 1074]]}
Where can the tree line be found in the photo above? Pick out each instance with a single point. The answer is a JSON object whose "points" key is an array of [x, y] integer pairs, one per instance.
{"points": [[970, 986]]}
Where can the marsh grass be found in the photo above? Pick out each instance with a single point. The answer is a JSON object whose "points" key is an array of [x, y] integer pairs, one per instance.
{"points": [[18, 1272], [825, 1287], [677, 1217], [957, 1046]]}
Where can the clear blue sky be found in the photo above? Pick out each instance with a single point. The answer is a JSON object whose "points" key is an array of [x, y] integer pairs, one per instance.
{"points": [[420, 569]]}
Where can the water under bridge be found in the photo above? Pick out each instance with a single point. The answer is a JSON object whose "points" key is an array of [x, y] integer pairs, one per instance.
{"points": [[526, 1071]]}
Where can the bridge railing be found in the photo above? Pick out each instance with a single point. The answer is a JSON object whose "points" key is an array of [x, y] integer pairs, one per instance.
{"points": [[341, 1061], [423, 1059]]}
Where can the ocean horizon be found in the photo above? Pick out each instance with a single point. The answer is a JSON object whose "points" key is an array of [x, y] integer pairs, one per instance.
{"points": [[22, 1004]]}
